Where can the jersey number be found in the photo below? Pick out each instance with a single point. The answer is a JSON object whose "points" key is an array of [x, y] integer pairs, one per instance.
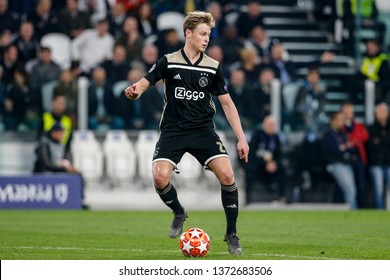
{"points": [[221, 148]]}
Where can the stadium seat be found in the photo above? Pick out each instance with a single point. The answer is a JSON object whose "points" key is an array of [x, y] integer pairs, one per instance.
{"points": [[16, 158], [168, 20], [120, 157], [87, 155], [144, 146], [60, 46]]}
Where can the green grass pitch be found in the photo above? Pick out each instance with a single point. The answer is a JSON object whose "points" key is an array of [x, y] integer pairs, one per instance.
{"points": [[132, 235]]}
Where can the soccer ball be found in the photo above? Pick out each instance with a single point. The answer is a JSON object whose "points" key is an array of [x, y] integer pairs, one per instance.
{"points": [[195, 242]]}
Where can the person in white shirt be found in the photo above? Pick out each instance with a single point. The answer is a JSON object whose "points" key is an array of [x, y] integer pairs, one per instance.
{"points": [[93, 46]]}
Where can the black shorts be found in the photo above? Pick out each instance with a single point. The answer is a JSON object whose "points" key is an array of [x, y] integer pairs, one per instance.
{"points": [[205, 145]]}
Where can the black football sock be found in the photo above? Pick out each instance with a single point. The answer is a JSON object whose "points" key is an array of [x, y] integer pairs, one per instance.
{"points": [[229, 195], [169, 196]]}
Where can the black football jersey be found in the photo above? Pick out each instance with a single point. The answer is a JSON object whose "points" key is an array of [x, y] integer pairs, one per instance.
{"points": [[188, 102]]}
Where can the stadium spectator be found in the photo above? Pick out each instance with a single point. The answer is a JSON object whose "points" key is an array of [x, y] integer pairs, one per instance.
{"points": [[72, 21], [168, 41], [147, 113], [308, 110], [215, 9], [132, 39], [18, 102], [147, 21], [326, 12], [230, 45], [96, 9], [45, 70], [75, 69], [175, 6], [131, 6], [133, 113], [116, 18], [378, 152], [57, 115], [9, 63], [369, 19], [336, 153], [259, 40], [152, 107], [52, 156], [383, 7], [93, 46], [265, 162], [250, 18], [22, 7], [26, 43], [67, 86], [375, 67], [283, 68], [357, 136], [101, 103], [149, 56], [241, 94], [250, 64], [5, 41], [45, 20], [217, 53], [57, 5], [117, 68], [261, 96], [9, 20]]}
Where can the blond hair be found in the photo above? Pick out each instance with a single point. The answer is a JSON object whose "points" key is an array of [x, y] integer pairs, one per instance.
{"points": [[193, 19]]}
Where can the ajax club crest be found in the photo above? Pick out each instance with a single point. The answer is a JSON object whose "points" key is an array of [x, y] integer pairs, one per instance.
{"points": [[203, 81]]}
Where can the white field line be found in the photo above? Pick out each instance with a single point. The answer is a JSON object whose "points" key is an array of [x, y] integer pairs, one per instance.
{"points": [[162, 251]]}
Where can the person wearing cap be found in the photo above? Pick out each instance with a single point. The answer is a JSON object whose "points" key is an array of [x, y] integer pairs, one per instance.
{"points": [[51, 155]]}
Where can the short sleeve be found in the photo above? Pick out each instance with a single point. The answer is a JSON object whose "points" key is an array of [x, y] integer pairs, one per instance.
{"points": [[219, 85], [157, 71]]}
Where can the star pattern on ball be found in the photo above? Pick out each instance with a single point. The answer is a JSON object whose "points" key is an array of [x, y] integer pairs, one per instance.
{"points": [[187, 246], [196, 233], [203, 246]]}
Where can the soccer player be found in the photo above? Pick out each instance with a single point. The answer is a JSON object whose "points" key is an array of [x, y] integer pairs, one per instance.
{"points": [[191, 79]]}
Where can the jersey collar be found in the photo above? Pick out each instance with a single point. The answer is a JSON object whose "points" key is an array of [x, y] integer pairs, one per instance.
{"points": [[188, 61]]}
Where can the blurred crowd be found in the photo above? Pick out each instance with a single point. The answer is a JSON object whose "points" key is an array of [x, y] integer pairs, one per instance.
{"points": [[115, 42]]}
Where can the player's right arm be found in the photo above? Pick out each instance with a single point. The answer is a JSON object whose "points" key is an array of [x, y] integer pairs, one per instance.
{"points": [[156, 73], [135, 90]]}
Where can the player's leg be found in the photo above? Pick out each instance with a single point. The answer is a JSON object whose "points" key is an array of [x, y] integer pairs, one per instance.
{"points": [[162, 173], [223, 170]]}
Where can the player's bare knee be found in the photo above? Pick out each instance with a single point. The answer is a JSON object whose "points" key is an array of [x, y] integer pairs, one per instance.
{"points": [[226, 177], [161, 179]]}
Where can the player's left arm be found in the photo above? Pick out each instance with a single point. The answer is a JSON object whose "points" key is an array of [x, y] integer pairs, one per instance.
{"points": [[233, 118]]}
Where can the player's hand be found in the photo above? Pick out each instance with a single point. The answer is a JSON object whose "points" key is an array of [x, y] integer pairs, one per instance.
{"points": [[243, 150], [131, 92]]}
